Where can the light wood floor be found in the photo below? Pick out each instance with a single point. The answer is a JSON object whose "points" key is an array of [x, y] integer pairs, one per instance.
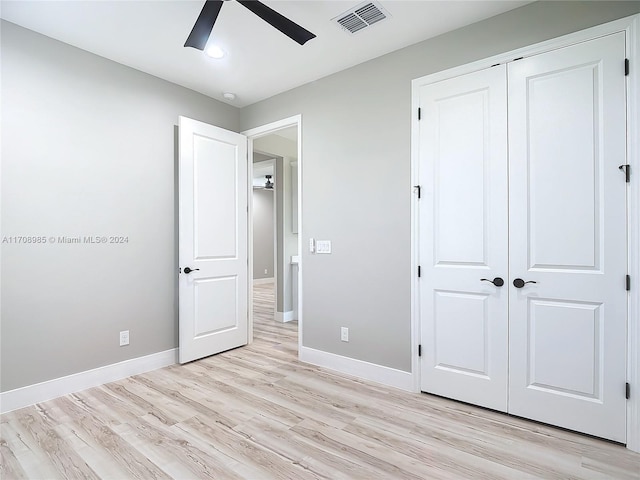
{"points": [[257, 413]]}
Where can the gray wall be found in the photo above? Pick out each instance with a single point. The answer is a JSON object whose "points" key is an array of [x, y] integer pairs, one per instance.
{"points": [[356, 174], [263, 233], [87, 149]]}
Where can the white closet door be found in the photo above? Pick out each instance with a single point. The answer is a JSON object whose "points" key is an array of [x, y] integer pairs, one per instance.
{"points": [[463, 238], [568, 234]]}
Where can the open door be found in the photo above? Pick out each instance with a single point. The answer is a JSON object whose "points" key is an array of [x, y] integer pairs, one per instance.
{"points": [[213, 250]]}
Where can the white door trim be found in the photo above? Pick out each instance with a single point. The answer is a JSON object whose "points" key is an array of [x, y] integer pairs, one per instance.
{"points": [[633, 206], [252, 134], [631, 27]]}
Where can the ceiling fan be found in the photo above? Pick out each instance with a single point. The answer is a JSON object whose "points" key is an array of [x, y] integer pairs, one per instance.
{"points": [[268, 185], [204, 24]]}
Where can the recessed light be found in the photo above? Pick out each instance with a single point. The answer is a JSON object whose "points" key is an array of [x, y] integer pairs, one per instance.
{"points": [[214, 51], [229, 96]]}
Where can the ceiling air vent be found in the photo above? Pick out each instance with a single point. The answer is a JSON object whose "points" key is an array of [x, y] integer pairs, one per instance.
{"points": [[361, 17]]}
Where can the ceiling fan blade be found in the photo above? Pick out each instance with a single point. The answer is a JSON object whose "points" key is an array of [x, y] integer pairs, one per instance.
{"points": [[202, 28], [286, 26]]}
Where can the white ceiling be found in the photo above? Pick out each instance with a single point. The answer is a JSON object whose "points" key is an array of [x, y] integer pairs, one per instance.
{"points": [[261, 61]]}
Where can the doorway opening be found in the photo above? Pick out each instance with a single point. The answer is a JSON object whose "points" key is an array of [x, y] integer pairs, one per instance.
{"points": [[264, 208], [274, 225]]}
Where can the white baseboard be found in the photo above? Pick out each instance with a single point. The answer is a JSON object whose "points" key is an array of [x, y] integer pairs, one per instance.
{"points": [[41, 392], [284, 317], [358, 368], [261, 281]]}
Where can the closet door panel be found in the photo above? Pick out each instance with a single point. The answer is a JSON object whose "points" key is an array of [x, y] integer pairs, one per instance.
{"points": [[463, 238], [567, 235]]}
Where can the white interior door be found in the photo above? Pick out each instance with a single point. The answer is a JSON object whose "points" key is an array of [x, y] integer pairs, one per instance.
{"points": [[568, 234], [463, 238], [213, 285], [552, 349]]}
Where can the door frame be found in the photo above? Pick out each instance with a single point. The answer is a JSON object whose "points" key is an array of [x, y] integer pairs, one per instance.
{"points": [[631, 27], [252, 134]]}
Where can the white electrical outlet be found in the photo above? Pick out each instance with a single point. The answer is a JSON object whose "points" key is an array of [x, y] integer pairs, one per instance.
{"points": [[265, 271], [344, 334], [124, 338]]}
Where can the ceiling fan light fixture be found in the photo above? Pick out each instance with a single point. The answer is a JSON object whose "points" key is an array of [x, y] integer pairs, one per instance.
{"points": [[201, 30], [214, 51]]}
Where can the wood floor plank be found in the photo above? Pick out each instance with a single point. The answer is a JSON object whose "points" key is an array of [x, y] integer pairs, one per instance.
{"points": [[33, 459], [282, 440], [431, 452], [10, 466], [302, 405], [264, 463], [175, 455], [389, 462], [123, 390], [201, 400], [603, 470], [252, 402], [66, 460], [258, 413], [102, 448], [107, 405]]}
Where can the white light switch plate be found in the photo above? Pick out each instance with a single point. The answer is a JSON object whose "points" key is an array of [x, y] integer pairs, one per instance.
{"points": [[323, 246]]}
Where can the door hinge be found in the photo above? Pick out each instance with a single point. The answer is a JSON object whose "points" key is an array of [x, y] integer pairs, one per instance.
{"points": [[419, 113], [420, 353], [627, 172], [419, 190], [627, 391], [626, 67], [628, 283], [419, 271]]}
